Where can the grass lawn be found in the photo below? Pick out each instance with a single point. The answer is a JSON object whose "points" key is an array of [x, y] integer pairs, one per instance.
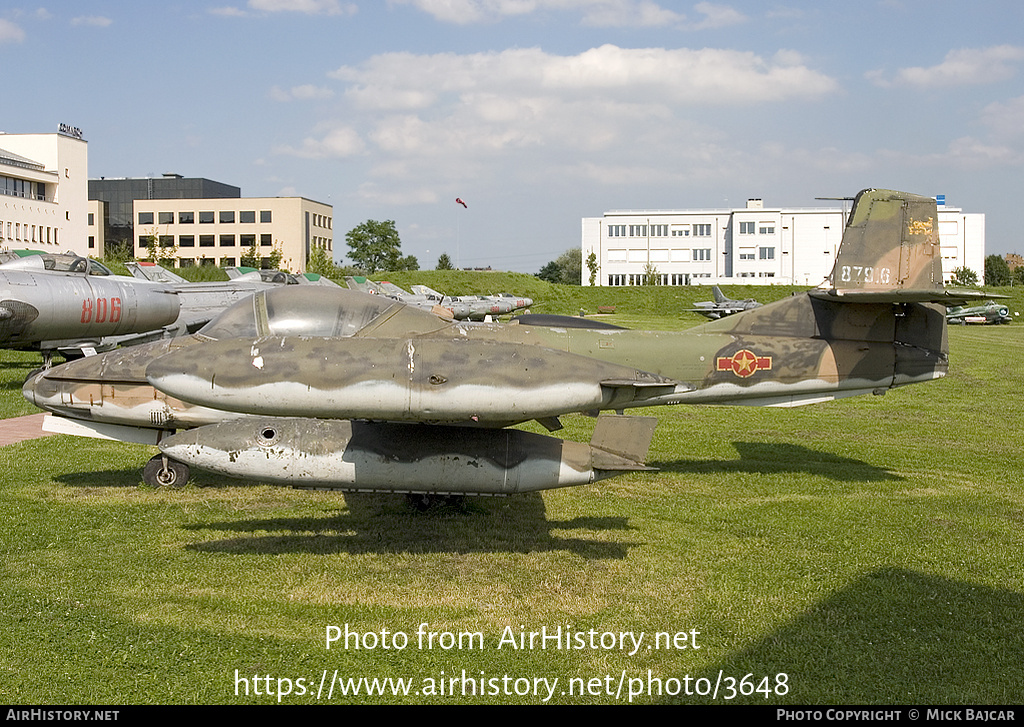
{"points": [[865, 551]]}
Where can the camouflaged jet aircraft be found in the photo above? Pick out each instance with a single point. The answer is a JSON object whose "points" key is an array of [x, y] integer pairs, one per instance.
{"points": [[722, 305], [333, 389]]}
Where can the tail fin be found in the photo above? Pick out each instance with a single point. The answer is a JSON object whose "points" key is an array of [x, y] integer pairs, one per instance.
{"points": [[891, 243], [719, 296]]}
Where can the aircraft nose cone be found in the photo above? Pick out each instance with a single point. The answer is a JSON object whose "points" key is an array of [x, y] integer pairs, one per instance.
{"points": [[36, 388]]}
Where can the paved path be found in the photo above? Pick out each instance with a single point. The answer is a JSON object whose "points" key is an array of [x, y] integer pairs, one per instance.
{"points": [[21, 428]]}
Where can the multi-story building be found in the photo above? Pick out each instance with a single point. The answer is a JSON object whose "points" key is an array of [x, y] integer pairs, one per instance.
{"points": [[202, 222], [43, 182], [753, 245], [222, 231], [114, 221]]}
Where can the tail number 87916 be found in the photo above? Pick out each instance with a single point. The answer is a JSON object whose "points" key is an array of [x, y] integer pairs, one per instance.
{"points": [[865, 274]]}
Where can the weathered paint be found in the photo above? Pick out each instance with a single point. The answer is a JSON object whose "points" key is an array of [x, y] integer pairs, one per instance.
{"points": [[343, 355], [387, 457]]}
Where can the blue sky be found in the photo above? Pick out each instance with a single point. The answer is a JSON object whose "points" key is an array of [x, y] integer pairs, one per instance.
{"points": [[535, 112]]}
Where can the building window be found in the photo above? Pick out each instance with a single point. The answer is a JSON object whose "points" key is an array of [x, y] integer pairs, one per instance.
{"points": [[227, 217], [747, 255], [767, 228], [747, 228], [186, 241], [702, 253], [186, 262], [226, 262], [247, 216], [766, 253], [206, 218], [638, 230], [681, 232], [145, 218], [616, 230], [227, 240], [247, 240], [91, 221], [702, 230], [166, 218], [166, 240], [143, 242], [659, 230], [206, 240], [186, 218], [92, 242], [265, 240], [265, 216]]}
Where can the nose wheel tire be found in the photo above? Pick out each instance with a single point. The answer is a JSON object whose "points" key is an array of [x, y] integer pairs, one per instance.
{"points": [[161, 471]]}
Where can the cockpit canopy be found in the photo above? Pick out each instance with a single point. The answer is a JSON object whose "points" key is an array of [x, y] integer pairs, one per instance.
{"points": [[315, 311]]}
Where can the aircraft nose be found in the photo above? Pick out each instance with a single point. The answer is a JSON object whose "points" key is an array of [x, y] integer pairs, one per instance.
{"points": [[39, 390]]}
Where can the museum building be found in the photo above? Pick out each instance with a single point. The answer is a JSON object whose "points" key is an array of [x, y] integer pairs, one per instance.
{"points": [[752, 245], [197, 221], [43, 181]]}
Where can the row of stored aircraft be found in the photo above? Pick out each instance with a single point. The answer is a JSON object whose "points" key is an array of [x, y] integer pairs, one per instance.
{"points": [[336, 389]]}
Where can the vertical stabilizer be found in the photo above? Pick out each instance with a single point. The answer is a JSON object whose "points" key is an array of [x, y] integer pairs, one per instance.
{"points": [[891, 243]]}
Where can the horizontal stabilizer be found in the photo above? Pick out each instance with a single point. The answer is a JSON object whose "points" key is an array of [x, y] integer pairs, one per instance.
{"points": [[931, 295]]}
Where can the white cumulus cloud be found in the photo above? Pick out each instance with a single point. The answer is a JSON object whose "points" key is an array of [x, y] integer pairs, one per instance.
{"points": [[964, 66], [10, 33]]}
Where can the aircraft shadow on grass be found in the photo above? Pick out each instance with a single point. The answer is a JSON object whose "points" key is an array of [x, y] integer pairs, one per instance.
{"points": [[893, 636], [771, 457], [384, 523]]}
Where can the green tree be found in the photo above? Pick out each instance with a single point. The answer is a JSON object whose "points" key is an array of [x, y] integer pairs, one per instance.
{"points": [[592, 266], [1018, 275], [566, 270], [321, 262], [997, 272], [965, 276], [254, 258], [651, 275], [550, 273], [376, 246], [444, 262]]}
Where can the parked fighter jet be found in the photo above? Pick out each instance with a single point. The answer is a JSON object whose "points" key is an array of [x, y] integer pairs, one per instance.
{"points": [[723, 306], [461, 309], [65, 303], [278, 277], [338, 390], [990, 312]]}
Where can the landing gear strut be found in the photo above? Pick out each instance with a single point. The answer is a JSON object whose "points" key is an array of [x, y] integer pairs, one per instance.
{"points": [[161, 471]]}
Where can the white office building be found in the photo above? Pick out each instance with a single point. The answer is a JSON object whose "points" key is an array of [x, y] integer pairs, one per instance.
{"points": [[752, 245], [44, 191]]}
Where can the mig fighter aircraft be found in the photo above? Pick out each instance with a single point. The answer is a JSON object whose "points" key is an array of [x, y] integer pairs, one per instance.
{"points": [[323, 388]]}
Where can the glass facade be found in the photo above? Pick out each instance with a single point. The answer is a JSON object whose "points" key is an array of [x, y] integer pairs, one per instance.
{"points": [[119, 194]]}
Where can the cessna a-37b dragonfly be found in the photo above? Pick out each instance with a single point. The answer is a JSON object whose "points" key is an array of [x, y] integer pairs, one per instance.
{"points": [[323, 388]]}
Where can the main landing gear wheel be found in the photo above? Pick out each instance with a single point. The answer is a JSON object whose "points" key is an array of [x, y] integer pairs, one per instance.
{"points": [[161, 471]]}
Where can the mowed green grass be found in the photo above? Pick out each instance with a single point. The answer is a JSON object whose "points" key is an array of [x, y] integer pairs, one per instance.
{"points": [[869, 549]]}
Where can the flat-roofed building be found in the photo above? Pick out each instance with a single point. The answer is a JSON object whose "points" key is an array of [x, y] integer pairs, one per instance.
{"points": [[43, 190], [222, 231], [752, 245], [197, 221]]}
